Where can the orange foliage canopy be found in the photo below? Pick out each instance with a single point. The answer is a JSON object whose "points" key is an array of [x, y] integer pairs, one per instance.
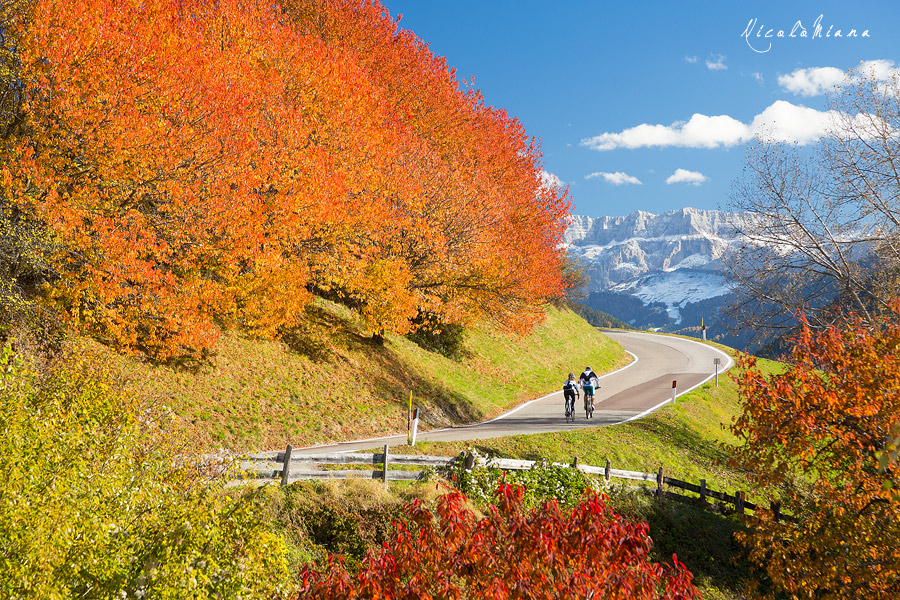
{"points": [[511, 553], [824, 420], [200, 164]]}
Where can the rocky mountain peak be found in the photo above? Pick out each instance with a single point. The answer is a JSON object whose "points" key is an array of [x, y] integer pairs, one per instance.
{"points": [[617, 250]]}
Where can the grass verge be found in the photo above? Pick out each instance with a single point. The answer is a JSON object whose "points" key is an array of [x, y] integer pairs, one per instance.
{"points": [[328, 381]]}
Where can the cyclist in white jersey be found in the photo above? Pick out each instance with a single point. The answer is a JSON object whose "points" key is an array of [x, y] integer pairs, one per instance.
{"points": [[570, 392]]}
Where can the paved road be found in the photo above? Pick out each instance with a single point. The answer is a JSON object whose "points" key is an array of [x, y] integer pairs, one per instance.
{"points": [[626, 394]]}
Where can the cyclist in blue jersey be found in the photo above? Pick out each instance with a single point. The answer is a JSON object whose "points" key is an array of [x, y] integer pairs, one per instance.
{"points": [[589, 383]]}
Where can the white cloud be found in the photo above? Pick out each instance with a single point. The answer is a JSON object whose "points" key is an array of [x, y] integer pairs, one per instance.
{"points": [[617, 178], [685, 176], [812, 82], [701, 131], [882, 70], [816, 81], [786, 122], [758, 77], [716, 63], [691, 59], [780, 122], [550, 180]]}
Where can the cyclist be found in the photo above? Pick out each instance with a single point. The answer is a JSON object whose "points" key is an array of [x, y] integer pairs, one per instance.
{"points": [[589, 383], [570, 392]]}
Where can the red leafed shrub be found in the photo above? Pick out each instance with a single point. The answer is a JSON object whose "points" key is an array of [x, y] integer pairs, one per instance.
{"points": [[511, 553]]}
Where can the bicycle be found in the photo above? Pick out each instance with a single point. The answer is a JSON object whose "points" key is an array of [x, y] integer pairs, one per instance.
{"points": [[570, 410], [588, 401]]}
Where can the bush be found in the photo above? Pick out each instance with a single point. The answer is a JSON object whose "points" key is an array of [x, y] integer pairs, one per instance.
{"points": [[92, 506], [544, 480], [318, 523], [511, 553], [811, 437]]}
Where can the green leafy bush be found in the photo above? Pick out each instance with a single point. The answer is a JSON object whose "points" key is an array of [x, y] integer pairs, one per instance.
{"points": [[544, 480], [92, 505]]}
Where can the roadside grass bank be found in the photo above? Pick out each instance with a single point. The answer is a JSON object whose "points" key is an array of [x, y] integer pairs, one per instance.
{"points": [[328, 380], [689, 439]]}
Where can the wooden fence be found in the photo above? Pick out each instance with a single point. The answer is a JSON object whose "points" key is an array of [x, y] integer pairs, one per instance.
{"points": [[286, 467]]}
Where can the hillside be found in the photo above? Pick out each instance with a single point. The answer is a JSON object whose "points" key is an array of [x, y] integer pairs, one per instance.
{"points": [[329, 381], [595, 317]]}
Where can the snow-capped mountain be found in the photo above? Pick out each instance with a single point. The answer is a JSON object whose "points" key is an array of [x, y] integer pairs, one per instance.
{"points": [[673, 258]]}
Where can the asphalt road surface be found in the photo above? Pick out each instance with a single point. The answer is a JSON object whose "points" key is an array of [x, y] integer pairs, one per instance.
{"points": [[624, 395]]}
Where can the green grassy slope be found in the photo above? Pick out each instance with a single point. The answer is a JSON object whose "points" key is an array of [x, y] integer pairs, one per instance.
{"points": [[328, 381]]}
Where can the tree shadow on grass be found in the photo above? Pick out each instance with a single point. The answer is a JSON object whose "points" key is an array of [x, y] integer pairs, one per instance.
{"points": [[701, 538], [317, 334], [680, 436], [324, 336], [395, 379]]}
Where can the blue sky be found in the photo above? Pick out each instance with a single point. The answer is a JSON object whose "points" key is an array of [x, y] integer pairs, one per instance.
{"points": [[661, 93]]}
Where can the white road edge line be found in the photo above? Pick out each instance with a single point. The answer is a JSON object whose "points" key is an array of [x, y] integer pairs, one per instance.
{"points": [[504, 415], [523, 405], [727, 366]]}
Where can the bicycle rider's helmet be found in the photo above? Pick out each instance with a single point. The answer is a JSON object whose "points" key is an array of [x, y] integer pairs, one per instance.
{"points": [[587, 369], [571, 375]]}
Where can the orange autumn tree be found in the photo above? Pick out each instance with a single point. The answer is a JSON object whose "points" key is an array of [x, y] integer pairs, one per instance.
{"points": [[545, 553], [480, 234], [199, 164], [157, 169], [811, 440]]}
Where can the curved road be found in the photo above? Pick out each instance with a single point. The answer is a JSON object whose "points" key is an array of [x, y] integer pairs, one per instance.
{"points": [[624, 395]]}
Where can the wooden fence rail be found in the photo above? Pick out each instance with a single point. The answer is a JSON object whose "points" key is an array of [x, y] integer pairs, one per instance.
{"points": [[287, 467]]}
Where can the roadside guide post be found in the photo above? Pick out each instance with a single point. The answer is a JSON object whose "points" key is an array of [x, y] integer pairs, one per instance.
{"points": [[674, 390], [717, 362], [409, 440], [415, 426]]}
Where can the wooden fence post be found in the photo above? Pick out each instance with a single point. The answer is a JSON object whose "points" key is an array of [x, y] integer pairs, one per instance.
{"points": [[659, 482], [606, 471], [739, 502], [575, 462], [386, 465], [286, 466], [703, 490]]}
